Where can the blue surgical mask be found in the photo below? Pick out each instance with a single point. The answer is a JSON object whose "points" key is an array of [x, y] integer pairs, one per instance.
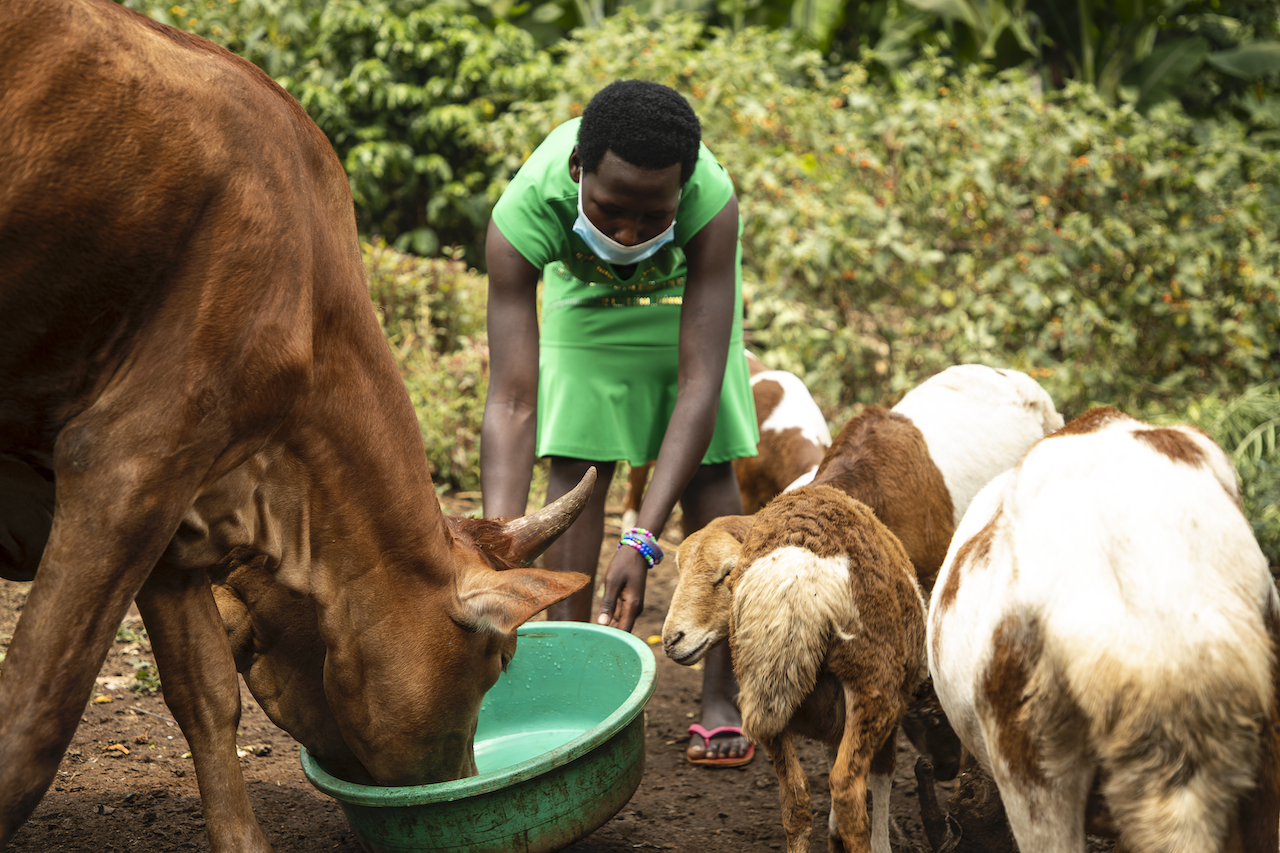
{"points": [[610, 250]]}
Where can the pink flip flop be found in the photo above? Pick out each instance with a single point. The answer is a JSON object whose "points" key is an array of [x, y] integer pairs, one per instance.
{"points": [[698, 730]]}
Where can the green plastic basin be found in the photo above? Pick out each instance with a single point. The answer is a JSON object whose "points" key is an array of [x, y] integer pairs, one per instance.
{"points": [[559, 746]]}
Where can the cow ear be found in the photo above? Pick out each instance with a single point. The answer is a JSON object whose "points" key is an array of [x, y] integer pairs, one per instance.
{"points": [[238, 624], [503, 601]]}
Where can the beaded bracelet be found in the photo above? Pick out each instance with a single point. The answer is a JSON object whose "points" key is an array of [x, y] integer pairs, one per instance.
{"points": [[644, 542]]}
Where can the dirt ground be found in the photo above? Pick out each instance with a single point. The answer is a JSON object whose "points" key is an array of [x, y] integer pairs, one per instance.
{"points": [[127, 783]]}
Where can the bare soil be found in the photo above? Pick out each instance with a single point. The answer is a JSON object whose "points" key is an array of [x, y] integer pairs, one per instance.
{"points": [[127, 782]]}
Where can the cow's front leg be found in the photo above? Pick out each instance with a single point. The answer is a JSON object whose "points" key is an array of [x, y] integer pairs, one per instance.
{"points": [[67, 626], [793, 791], [110, 525], [201, 688]]}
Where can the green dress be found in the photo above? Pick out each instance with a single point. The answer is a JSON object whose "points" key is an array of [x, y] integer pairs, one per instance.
{"points": [[609, 347]]}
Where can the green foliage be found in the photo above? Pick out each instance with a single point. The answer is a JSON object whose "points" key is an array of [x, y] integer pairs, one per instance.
{"points": [[402, 89], [132, 632], [1122, 259], [428, 304], [146, 680], [433, 313], [893, 230], [1209, 54], [1143, 53], [1246, 426], [272, 34], [448, 392]]}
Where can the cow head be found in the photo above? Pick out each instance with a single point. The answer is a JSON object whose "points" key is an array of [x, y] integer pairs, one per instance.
{"points": [[389, 693]]}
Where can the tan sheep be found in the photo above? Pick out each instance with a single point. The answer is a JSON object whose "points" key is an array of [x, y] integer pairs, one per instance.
{"points": [[879, 458], [826, 627]]}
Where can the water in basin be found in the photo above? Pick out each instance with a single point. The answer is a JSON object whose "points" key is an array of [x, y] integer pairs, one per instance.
{"points": [[505, 749]]}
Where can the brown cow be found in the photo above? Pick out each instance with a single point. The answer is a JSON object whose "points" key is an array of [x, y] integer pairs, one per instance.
{"points": [[192, 368]]}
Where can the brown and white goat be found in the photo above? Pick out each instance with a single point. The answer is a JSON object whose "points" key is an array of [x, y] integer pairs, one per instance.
{"points": [[1104, 637], [793, 438], [882, 459], [977, 421], [827, 634]]}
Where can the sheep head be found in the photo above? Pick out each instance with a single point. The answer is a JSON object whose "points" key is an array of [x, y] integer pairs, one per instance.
{"points": [[699, 614]]}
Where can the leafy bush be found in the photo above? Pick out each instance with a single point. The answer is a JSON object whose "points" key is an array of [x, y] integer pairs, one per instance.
{"points": [[433, 313], [892, 231], [272, 34], [398, 87], [1204, 52], [434, 304]]}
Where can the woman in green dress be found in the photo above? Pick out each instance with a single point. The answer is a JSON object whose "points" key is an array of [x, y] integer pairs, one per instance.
{"points": [[633, 227]]}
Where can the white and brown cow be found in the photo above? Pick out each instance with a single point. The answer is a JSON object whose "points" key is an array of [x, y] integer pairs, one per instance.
{"points": [[1103, 638], [192, 380]]}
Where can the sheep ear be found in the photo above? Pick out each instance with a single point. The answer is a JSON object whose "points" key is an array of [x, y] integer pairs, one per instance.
{"points": [[503, 601], [722, 543], [723, 551]]}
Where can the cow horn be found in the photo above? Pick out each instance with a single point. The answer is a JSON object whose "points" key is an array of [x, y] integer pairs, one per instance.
{"points": [[534, 533]]}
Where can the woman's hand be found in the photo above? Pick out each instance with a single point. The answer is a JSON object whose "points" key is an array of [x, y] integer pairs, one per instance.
{"points": [[623, 589]]}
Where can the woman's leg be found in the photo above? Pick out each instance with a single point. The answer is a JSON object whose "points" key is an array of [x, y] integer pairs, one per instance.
{"points": [[578, 548], [711, 493]]}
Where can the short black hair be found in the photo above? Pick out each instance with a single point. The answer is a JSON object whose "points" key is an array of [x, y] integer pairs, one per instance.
{"points": [[647, 124]]}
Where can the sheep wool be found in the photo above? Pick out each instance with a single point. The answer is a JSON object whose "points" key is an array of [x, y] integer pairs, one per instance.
{"points": [[811, 558]]}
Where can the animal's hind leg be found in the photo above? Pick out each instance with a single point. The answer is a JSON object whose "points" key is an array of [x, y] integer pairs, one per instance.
{"points": [[882, 767], [793, 792], [1259, 823], [202, 690], [867, 735], [834, 844], [118, 504], [1045, 814], [881, 778]]}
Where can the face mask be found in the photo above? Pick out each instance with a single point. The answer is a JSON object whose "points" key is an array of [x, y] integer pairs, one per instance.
{"points": [[611, 251]]}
